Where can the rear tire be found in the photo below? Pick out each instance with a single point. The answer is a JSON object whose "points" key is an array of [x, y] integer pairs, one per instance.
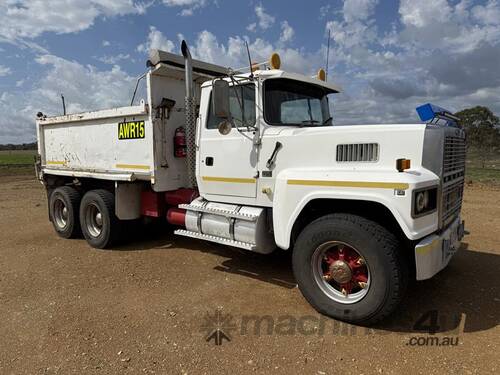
{"points": [[98, 221], [64, 203], [373, 273]]}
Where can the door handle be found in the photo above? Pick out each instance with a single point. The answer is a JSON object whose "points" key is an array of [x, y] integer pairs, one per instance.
{"points": [[209, 161]]}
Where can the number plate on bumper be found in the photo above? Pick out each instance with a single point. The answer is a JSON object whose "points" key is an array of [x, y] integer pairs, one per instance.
{"points": [[434, 252]]}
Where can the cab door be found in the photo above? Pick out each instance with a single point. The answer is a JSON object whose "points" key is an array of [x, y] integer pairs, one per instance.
{"points": [[227, 164]]}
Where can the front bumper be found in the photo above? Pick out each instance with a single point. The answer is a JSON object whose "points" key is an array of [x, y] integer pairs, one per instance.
{"points": [[433, 253]]}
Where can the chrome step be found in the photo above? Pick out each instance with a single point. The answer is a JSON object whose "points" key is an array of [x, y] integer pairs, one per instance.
{"points": [[221, 240], [225, 213]]}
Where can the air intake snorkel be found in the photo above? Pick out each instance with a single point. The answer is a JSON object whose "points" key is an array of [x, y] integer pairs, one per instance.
{"points": [[190, 113]]}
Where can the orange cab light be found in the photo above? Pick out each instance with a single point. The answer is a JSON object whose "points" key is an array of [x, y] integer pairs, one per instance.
{"points": [[403, 164]]}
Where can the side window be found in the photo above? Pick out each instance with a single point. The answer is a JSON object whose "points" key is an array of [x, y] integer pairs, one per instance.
{"points": [[243, 114]]}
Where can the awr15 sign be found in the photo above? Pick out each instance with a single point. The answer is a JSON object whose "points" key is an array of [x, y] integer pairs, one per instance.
{"points": [[131, 130]]}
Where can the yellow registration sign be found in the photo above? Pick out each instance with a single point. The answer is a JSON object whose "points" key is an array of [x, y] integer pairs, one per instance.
{"points": [[131, 130]]}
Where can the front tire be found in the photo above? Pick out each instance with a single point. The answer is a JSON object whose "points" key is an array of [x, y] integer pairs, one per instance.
{"points": [[350, 268], [99, 224], [64, 203]]}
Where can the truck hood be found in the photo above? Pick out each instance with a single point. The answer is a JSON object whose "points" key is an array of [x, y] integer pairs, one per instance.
{"points": [[317, 146]]}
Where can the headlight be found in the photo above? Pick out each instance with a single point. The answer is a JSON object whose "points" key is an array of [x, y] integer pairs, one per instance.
{"points": [[424, 201]]}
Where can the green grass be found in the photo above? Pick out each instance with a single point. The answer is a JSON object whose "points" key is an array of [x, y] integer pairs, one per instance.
{"points": [[483, 175], [17, 157], [482, 167]]}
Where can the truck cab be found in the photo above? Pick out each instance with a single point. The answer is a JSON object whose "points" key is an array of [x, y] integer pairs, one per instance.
{"points": [[254, 160]]}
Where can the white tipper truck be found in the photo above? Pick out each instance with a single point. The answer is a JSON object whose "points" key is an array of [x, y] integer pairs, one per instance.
{"points": [[252, 160]]}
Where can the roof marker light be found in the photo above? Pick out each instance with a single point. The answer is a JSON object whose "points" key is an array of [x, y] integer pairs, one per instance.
{"points": [[321, 75], [275, 61]]}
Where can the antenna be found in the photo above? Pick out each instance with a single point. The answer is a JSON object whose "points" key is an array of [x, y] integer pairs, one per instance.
{"points": [[64, 104], [249, 60], [327, 55]]}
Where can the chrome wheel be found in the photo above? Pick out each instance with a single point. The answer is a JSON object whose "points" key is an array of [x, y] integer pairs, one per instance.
{"points": [[93, 220], [60, 213], [341, 272]]}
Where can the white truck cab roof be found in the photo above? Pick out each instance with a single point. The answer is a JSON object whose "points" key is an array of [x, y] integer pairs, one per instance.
{"points": [[162, 61], [278, 73]]}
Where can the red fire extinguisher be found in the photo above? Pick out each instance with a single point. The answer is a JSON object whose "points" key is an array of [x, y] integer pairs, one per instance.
{"points": [[180, 142]]}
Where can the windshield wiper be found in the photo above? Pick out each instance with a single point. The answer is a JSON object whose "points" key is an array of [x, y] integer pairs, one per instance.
{"points": [[327, 120], [310, 122]]}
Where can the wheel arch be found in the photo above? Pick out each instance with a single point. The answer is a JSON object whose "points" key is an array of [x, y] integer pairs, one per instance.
{"points": [[369, 209]]}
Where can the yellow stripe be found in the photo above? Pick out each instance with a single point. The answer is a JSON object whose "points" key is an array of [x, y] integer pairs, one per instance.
{"points": [[427, 248], [132, 166], [56, 162], [356, 184], [229, 179]]}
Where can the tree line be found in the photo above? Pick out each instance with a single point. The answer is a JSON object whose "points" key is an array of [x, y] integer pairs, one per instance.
{"points": [[22, 146], [482, 129]]}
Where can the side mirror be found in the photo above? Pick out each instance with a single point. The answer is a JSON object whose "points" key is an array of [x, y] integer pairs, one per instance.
{"points": [[220, 99], [224, 127]]}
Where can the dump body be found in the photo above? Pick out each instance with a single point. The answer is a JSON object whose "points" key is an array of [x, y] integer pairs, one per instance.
{"points": [[127, 143], [115, 144]]}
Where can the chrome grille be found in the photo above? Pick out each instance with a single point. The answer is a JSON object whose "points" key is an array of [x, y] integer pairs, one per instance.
{"points": [[357, 152], [453, 178], [452, 201], [454, 158]]}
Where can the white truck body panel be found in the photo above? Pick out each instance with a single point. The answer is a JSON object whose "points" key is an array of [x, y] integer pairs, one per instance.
{"points": [[87, 144], [308, 156]]}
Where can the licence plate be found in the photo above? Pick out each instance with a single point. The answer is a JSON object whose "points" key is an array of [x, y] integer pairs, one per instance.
{"points": [[451, 245]]}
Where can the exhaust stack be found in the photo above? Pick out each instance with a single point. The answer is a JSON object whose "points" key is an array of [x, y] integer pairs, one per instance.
{"points": [[190, 111]]}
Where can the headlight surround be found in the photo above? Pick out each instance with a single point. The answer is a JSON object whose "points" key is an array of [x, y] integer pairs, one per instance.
{"points": [[424, 201]]}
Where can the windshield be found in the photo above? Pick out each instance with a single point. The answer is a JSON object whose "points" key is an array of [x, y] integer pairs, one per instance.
{"points": [[289, 102]]}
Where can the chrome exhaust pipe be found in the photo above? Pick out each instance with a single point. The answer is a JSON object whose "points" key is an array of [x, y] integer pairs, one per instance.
{"points": [[188, 67], [190, 111]]}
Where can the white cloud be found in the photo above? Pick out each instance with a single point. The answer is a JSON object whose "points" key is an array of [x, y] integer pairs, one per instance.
{"points": [[189, 6], [488, 14], [106, 43], [115, 59], [324, 10], [233, 53], [252, 27], [357, 28], [109, 88], [445, 52], [4, 70], [421, 13], [287, 32], [350, 34], [156, 40], [84, 88], [265, 20], [358, 9], [23, 19], [440, 24]]}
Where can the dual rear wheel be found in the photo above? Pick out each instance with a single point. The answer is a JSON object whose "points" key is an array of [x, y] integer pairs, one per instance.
{"points": [[92, 215]]}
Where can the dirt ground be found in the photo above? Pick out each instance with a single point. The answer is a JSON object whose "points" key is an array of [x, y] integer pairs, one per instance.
{"points": [[149, 306]]}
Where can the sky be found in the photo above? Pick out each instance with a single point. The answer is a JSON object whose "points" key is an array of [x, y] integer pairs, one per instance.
{"points": [[388, 56]]}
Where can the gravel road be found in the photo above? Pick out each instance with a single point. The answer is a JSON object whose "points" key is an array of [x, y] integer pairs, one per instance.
{"points": [[150, 306]]}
